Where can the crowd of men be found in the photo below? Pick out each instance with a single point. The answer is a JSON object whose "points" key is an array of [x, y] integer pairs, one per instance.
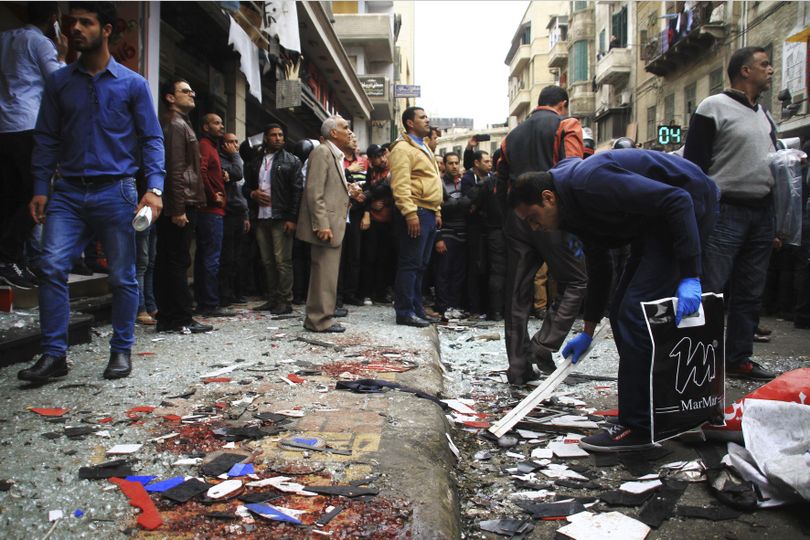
{"points": [[321, 223]]}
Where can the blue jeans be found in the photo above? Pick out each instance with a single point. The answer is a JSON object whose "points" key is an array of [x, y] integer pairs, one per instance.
{"points": [[736, 257], [145, 269], [75, 213], [414, 256], [206, 259]]}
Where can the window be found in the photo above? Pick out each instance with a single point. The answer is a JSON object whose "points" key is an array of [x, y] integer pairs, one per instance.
{"points": [[579, 69], [669, 108], [579, 5], [651, 122], [716, 81], [526, 36], [619, 29], [602, 47], [689, 105]]}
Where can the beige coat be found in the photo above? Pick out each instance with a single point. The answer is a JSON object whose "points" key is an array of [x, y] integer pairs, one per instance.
{"points": [[325, 203]]}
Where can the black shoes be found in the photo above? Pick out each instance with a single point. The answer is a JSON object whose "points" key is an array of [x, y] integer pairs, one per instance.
{"points": [[214, 311], [120, 365], [341, 312], [46, 368], [617, 438], [430, 319], [281, 309], [413, 320], [750, 370], [336, 328], [17, 276], [353, 300], [194, 327]]}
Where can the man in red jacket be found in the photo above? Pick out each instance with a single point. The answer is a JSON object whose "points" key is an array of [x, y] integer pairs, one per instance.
{"points": [[210, 220]]}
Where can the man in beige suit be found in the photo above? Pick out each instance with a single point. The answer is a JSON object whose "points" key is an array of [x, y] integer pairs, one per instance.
{"points": [[322, 222]]}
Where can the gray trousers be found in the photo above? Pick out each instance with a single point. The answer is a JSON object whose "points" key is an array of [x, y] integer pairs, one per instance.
{"points": [[526, 251]]}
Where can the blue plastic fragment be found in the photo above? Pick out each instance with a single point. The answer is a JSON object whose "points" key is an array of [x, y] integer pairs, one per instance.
{"points": [[140, 479], [78, 513], [163, 485], [308, 442], [271, 512], [241, 469]]}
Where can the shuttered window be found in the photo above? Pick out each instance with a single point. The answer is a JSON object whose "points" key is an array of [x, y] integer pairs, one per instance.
{"points": [[579, 70]]}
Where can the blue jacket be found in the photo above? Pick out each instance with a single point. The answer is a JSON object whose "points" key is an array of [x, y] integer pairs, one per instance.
{"points": [[614, 197]]}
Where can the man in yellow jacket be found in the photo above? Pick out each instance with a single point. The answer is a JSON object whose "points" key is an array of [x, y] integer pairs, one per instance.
{"points": [[417, 191]]}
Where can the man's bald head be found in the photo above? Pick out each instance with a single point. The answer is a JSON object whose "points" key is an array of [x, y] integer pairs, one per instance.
{"points": [[213, 126]]}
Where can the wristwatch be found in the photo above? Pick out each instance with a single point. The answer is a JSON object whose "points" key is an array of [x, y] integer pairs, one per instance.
{"points": [[156, 191]]}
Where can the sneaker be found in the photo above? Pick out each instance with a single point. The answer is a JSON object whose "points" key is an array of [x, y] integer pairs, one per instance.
{"points": [[750, 370], [763, 331], [12, 274], [267, 306], [617, 438], [30, 275], [761, 338], [367, 301]]}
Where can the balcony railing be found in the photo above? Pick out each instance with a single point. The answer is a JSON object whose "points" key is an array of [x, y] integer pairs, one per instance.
{"points": [[558, 55], [673, 49], [614, 67]]}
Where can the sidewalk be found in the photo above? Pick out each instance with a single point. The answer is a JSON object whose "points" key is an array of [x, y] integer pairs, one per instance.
{"points": [[393, 442]]}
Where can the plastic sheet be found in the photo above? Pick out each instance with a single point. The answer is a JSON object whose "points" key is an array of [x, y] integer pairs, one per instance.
{"points": [[786, 168]]}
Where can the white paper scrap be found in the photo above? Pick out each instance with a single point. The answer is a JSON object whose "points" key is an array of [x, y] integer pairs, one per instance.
{"points": [[563, 450], [124, 448], [453, 447], [459, 406], [640, 487], [224, 488], [609, 525], [53, 515], [542, 453], [187, 461], [563, 473]]}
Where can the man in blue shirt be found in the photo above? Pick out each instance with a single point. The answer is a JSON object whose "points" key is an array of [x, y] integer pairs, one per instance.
{"points": [[98, 124], [662, 206], [27, 56]]}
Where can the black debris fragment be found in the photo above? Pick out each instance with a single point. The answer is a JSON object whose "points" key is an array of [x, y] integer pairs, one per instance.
{"points": [[345, 491], [625, 498], [513, 528], [5, 485], [115, 468], [551, 510], [662, 504], [329, 516], [221, 464], [376, 386], [577, 484], [224, 516], [605, 460], [186, 491], [78, 432], [713, 513], [258, 497]]}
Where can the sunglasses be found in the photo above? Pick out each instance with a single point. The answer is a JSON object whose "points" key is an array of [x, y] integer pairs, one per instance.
{"points": [[186, 91]]}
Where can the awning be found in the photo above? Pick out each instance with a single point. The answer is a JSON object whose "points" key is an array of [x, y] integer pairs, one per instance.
{"points": [[799, 37]]}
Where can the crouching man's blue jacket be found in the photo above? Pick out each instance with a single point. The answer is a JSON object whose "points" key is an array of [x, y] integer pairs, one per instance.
{"points": [[615, 197]]}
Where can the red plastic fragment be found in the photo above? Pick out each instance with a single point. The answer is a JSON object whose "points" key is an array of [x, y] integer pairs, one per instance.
{"points": [[297, 379], [48, 412], [210, 380], [171, 418], [149, 517], [606, 412], [146, 354], [132, 413], [106, 420], [220, 405], [477, 424]]}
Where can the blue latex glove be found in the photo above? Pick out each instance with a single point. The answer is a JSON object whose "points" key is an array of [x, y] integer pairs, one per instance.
{"points": [[576, 347], [689, 292]]}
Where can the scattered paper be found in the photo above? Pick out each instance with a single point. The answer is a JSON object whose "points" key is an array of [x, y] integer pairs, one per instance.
{"points": [[609, 525], [224, 489], [563, 450], [54, 515], [542, 453], [124, 449], [640, 487]]}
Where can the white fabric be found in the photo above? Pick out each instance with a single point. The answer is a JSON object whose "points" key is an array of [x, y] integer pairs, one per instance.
{"points": [[281, 21], [265, 182], [248, 58]]}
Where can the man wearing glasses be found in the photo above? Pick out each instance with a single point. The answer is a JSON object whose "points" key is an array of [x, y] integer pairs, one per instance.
{"points": [[184, 194]]}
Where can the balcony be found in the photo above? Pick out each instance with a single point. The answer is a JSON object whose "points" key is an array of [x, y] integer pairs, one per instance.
{"points": [[668, 53], [558, 55], [581, 99], [520, 103], [521, 57], [378, 90], [581, 25], [614, 68], [375, 33]]}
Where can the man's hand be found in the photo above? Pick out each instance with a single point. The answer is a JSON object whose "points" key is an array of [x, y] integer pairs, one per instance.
{"points": [[377, 205], [438, 222], [689, 291], [576, 347], [473, 142], [441, 247], [61, 43], [365, 223], [359, 197], [152, 201], [414, 230], [226, 176], [37, 208], [777, 244], [219, 199], [246, 226], [289, 227], [262, 198], [181, 220], [356, 167], [324, 235]]}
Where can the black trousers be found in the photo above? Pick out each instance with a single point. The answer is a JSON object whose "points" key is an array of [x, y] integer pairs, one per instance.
{"points": [[351, 259], [233, 232], [378, 260], [477, 282], [526, 251], [451, 270], [496, 258], [172, 261], [16, 190]]}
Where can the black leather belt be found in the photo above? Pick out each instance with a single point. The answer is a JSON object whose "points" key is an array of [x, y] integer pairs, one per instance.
{"points": [[99, 180]]}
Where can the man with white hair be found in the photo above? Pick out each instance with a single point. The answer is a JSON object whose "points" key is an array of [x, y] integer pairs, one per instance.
{"points": [[322, 222]]}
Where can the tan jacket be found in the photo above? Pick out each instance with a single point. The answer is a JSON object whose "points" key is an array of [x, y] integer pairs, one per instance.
{"points": [[325, 203], [415, 178], [183, 186]]}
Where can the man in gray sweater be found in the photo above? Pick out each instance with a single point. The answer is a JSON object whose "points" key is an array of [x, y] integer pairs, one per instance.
{"points": [[730, 137]]}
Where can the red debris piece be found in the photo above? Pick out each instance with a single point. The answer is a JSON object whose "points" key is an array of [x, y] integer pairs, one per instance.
{"points": [[210, 380], [48, 412], [220, 404], [149, 518], [146, 354], [106, 420], [171, 418], [297, 379], [477, 424], [132, 413], [606, 412]]}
